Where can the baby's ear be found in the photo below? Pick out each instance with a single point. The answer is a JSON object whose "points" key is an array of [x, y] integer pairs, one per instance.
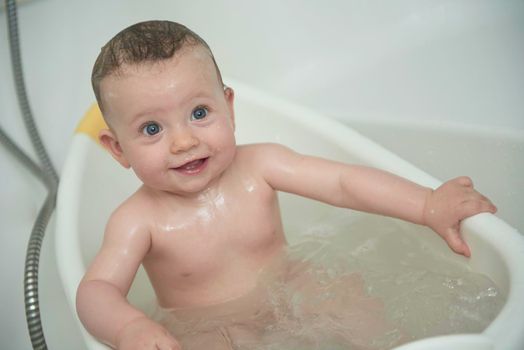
{"points": [[108, 139], [229, 94]]}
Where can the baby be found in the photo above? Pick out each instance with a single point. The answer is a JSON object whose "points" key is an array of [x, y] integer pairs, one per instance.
{"points": [[206, 219]]}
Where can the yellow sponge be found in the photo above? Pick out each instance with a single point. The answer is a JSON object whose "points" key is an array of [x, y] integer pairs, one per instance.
{"points": [[92, 123]]}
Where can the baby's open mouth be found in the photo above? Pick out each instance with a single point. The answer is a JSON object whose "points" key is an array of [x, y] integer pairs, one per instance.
{"points": [[193, 167]]}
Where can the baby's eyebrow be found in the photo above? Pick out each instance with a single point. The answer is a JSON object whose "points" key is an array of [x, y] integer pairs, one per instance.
{"points": [[198, 95], [198, 92], [146, 114]]}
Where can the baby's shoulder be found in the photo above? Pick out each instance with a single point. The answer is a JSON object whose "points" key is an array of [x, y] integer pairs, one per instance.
{"points": [[127, 229], [264, 157], [261, 154], [130, 214], [261, 147]]}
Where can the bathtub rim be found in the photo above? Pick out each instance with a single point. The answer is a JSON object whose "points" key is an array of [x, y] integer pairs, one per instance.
{"points": [[70, 265]]}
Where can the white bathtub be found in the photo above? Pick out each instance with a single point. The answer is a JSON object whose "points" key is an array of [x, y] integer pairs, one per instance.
{"points": [[92, 185]]}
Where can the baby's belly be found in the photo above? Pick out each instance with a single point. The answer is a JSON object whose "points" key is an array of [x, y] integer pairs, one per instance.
{"points": [[216, 280]]}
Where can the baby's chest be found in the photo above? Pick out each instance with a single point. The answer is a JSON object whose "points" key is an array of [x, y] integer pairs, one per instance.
{"points": [[208, 239]]}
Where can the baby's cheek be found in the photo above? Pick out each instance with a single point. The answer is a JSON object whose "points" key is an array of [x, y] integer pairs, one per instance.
{"points": [[148, 169]]}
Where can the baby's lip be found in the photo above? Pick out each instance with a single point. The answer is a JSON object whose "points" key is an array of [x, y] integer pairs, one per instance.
{"points": [[191, 167]]}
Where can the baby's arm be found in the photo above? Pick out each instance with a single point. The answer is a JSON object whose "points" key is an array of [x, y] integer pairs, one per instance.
{"points": [[375, 191], [101, 297]]}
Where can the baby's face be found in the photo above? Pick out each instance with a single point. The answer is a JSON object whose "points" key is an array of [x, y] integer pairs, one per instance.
{"points": [[172, 122]]}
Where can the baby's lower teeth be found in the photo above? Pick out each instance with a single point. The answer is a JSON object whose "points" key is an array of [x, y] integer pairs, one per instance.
{"points": [[192, 165]]}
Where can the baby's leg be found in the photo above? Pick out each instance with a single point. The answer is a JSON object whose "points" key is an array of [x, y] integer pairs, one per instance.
{"points": [[244, 336], [215, 339], [189, 331], [235, 324], [340, 309], [231, 337]]}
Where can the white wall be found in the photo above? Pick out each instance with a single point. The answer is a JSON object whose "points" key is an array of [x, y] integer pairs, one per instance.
{"points": [[420, 60]]}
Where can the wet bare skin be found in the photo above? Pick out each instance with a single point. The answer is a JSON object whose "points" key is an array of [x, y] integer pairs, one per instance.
{"points": [[209, 250]]}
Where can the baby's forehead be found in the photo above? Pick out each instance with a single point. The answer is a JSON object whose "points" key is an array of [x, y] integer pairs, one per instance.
{"points": [[196, 53], [189, 70]]}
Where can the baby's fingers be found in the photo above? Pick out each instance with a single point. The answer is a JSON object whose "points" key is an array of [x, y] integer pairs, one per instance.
{"points": [[456, 243], [476, 206], [168, 344], [464, 181]]}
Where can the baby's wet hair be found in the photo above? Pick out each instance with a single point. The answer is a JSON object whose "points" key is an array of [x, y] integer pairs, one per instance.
{"points": [[150, 41]]}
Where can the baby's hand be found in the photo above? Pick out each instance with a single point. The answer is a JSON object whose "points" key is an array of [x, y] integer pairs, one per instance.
{"points": [[144, 334], [449, 204]]}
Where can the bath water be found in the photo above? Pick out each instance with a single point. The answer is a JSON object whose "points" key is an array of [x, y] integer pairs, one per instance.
{"points": [[369, 283]]}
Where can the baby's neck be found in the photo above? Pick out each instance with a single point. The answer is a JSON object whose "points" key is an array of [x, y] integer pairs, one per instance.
{"points": [[210, 194]]}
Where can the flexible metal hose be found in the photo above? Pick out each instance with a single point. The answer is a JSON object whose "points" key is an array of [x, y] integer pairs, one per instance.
{"points": [[18, 75], [46, 173], [21, 156], [32, 304]]}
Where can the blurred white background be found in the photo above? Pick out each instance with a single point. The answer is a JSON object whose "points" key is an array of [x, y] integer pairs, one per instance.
{"points": [[440, 82]]}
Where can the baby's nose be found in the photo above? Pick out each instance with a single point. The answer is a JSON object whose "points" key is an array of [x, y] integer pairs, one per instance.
{"points": [[183, 140]]}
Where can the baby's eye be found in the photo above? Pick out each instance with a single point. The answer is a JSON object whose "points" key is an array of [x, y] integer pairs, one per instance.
{"points": [[199, 113], [151, 129]]}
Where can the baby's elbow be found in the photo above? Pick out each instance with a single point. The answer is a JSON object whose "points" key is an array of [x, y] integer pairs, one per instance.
{"points": [[84, 298], [82, 303], [88, 294]]}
